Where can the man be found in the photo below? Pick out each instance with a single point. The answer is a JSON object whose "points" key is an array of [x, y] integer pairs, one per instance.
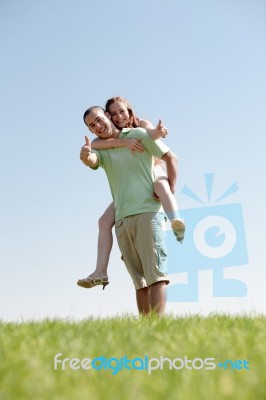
{"points": [[139, 217]]}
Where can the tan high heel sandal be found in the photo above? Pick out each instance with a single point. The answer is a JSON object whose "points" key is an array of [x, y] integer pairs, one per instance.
{"points": [[89, 282]]}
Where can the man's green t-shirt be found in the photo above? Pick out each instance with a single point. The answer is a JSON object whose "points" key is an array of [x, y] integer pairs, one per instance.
{"points": [[130, 175]]}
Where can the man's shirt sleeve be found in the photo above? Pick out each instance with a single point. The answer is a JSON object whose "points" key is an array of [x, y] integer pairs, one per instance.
{"points": [[100, 162]]}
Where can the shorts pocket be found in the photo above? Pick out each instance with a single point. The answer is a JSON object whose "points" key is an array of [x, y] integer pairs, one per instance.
{"points": [[118, 223]]}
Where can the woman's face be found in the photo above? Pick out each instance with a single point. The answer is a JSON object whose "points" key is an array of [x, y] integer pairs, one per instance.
{"points": [[119, 114]]}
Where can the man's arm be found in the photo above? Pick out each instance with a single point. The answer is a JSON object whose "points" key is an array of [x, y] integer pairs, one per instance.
{"points": [[87, 157], [171, 165]]}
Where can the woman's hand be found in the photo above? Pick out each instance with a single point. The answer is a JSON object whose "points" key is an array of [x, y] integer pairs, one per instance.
{"points": [[134, 145], [160, 130]]}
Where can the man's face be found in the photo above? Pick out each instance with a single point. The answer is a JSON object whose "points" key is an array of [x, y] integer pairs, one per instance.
{"points": [[99, 124]]}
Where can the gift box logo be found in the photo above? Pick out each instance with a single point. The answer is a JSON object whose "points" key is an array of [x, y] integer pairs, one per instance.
{"points": [[214, 239]]}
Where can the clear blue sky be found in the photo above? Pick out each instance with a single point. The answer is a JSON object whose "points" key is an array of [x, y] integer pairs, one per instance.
{"points": [[198, 65]]}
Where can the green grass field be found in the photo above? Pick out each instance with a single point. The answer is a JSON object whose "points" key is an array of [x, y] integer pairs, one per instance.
{"points": [[28, 350]]}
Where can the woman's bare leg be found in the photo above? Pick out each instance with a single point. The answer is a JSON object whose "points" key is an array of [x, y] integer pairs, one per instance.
{"points": [[105, 242], [168, 200]]}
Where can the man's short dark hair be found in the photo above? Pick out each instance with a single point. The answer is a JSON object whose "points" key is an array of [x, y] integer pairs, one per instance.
{"points": [[91, 109]]}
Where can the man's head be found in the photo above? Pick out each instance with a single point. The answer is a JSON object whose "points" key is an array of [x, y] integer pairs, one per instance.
{"points": [[98, 123]]}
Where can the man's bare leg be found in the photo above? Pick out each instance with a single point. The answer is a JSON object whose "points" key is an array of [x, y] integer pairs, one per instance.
{"points": [[143, 300], [158, 297]]}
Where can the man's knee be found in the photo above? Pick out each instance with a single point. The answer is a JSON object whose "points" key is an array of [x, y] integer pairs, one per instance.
{"points": [[157, 285]]}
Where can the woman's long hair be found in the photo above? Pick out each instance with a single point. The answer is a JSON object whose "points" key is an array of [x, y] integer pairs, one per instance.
{"points": [[134, 121]]}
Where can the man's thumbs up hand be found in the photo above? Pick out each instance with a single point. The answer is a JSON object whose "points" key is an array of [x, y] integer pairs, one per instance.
{"points": [[85, 151], [87, 142]]}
